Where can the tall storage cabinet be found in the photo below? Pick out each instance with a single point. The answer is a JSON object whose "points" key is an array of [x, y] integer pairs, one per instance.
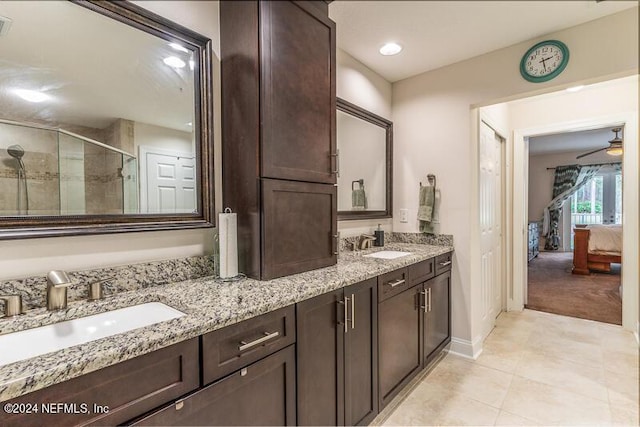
{"points": [[279, 135]]}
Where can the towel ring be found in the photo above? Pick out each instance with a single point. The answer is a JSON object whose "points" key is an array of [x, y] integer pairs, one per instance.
{"points": [[431, 179]]}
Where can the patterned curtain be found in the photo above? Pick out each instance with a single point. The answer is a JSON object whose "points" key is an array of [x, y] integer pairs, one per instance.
{"points": [[568, 180]]}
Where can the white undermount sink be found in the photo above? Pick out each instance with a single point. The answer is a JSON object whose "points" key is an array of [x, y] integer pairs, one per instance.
{"points": [[388, 254], [44, 339]]}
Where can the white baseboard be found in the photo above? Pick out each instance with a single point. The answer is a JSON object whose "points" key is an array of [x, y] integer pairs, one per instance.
{"points": [[466, 348]]}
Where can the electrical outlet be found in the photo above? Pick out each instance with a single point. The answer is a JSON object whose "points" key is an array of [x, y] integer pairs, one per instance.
{"points": [[404, 215]]}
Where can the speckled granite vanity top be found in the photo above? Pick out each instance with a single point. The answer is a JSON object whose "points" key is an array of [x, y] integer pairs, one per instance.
{"points": [[208, 303]]}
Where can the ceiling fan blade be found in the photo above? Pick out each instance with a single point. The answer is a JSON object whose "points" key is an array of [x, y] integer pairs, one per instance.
{"points": [[590, 152]]}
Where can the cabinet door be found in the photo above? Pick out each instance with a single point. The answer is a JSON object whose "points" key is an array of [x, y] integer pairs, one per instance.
{"points": [[361, 353], [398, 342], [320, 345], [300, 227], [297, 92], [261, 394], [437, 318]]}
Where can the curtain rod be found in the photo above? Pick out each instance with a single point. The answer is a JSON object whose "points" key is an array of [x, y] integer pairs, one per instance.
{"points": [[593, 164]]}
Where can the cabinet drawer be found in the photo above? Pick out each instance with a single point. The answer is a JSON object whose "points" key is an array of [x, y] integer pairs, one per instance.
{"points": [[229, 349], [421, 271], [128, 389], [443, 263], [260, 394], [392, 283]]}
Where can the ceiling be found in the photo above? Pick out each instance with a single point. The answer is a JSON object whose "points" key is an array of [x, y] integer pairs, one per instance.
{"points": [[568, 142], [439, 33]]}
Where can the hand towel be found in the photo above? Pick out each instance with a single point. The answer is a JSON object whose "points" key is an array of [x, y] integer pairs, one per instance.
{"points": [[358, 196], [426, 207]]}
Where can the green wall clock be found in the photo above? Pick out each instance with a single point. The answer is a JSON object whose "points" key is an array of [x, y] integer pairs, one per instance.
{"points": [[544, 61]]}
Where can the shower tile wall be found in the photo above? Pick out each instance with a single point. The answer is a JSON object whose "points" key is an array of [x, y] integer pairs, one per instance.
{"points": [[103, 184], [41, 163]]}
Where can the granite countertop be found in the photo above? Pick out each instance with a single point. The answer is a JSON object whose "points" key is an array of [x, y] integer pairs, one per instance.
{"points": [[209, 304]]}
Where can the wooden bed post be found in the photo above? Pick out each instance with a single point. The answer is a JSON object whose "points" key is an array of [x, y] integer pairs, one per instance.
{"points": [[580, 251]]}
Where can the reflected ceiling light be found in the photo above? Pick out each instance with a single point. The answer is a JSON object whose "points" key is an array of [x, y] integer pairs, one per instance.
{"points": [[31, 95], [192, 64], [390, 49], [575, 88], [174, 62], [190, 124], [178, 47]]}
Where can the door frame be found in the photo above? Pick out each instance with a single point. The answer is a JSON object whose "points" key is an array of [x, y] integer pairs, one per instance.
{"points": [[630, 246], [143, 150]]}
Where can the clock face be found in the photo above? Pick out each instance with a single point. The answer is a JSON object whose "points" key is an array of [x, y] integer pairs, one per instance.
{"points": [[544, 61]]}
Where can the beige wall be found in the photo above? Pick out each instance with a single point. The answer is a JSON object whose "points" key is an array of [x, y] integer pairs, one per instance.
{"points": [[433, 131]]}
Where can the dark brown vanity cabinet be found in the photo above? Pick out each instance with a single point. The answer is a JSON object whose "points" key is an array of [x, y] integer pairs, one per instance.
{"points": [[399, 334], [436, 295], [261, 394], [279, 133], [337, 357]]}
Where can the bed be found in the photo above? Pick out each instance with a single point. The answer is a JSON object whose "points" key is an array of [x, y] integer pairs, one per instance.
{"points": [[595, 247]]}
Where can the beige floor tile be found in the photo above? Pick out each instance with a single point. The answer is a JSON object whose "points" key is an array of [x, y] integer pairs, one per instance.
{"points": [[623, 389], [411, 412], [507, 419], [571, 376], [574, 351], [461, 410], [622, 341], [621, 362], [554, 406], [483, 384], [624, 415], [500, 353]]}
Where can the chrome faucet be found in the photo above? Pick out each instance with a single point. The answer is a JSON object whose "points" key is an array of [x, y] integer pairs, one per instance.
{"points": [[12, 305], [366, 241], [57, 284]]}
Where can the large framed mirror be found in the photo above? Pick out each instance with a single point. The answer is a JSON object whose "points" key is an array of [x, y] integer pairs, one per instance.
{"points": [[365, 146], [105, 120]]}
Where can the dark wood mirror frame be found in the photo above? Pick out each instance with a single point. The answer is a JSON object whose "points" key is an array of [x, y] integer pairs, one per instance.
{"points": [[14, 227], [368, 116]]}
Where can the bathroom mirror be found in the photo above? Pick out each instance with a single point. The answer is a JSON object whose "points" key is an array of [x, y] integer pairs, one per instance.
{"points": [[365, 143], [105, 120]]}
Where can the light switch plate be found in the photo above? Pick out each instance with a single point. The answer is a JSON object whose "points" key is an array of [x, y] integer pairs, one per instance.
{"points": [[404, 215]]}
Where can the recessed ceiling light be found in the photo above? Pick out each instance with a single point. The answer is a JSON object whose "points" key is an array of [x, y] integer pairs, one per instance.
{"points": [[390, 49], [174, 62], [575, 88], [31, 95], [178, 47]]}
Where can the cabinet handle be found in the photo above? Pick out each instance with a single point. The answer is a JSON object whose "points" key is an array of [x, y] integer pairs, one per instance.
{"points": [[353, 311], [346, 319], [395, 283], [336, 238], [336, 171], [429, 299], [267, 336], [423, 307], [443, 264], [179, 404]]}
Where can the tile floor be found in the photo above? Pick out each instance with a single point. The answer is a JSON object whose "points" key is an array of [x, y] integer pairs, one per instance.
{"points": [[536, 369]]}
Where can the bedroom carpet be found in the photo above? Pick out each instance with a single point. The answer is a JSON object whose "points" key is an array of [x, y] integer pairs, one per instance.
{"points": [[552, 288]]}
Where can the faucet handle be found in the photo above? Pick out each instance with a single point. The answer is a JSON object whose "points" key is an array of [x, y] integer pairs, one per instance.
{"points": [[12, 305], [58, 279], [95, 289]]}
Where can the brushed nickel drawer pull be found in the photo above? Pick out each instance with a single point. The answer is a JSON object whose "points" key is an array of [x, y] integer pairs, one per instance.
{"points": [[423, 306], [267, 336], [337, 169], [429, 299], [353, 311], [396, 283], [444, 264], [179, 404]]}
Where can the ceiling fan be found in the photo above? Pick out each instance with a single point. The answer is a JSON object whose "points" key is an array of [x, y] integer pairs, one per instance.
{"points": [[614, 148]]}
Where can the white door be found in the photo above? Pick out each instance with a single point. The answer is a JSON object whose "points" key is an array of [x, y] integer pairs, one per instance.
{"points": [[491, 153], [170, 183]]}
